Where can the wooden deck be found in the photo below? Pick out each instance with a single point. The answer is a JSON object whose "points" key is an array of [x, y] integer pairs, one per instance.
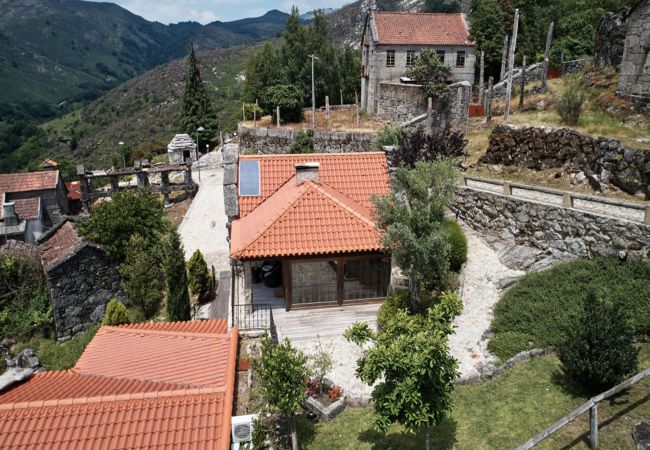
{"points": [[307, 323]]}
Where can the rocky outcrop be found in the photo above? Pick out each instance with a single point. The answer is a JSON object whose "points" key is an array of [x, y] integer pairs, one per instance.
{"points": [[610, 41], [604, 161]]}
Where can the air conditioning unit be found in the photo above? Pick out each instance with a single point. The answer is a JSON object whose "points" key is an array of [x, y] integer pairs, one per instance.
{"points": [[242, 428]]}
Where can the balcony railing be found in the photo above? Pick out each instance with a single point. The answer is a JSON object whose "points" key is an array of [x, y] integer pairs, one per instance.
{"points": [[252, 317]]}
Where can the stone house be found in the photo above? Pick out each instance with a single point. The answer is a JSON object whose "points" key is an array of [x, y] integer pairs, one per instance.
{"points": [[634, 81], [391, 40], [22, 220], [308, 219], [81, 279], [181, 148]]}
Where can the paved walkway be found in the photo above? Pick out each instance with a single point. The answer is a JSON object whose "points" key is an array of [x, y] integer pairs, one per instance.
{"points": [[479, 294]]}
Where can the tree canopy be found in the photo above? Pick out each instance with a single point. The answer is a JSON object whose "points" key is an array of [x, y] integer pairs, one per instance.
{"points": [[429, 71], [177, 306]]}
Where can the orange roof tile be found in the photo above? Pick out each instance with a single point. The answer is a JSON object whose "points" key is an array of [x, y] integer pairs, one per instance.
{"points": [[28, 208], [62, 243], [157, 355], [356, 175], [29, 181], [137, 409], [74, 190], [406, 28], [313, 218]]}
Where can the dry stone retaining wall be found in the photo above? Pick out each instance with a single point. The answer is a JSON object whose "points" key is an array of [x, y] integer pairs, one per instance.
{"points": [[603, 160], [278, 141], [552, 229]]}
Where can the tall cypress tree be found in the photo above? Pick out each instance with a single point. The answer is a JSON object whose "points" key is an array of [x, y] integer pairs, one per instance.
{"points": [[197, 110], [178, 298]]}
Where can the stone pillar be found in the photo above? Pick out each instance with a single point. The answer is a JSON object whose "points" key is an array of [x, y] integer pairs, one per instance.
{"points": [[243, 284], [84, 188], [115, 183], [164, 184]]}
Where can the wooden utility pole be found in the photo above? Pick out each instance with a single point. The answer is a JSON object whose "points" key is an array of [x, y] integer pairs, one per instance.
{"points": [[504, 56], [547, 51], [243, 112], [523, 84], [277, 115], [255, 115], [429, 116], [327, 108], [341, 91], [480, 78], [488, 102], [313, 92], [511, 63]]}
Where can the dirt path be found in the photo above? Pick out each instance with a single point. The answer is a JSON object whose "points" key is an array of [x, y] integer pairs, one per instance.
{"points": [[479, 294]]}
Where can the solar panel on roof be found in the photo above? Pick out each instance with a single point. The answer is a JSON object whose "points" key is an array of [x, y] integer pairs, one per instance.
{"points": [[249, 178]]}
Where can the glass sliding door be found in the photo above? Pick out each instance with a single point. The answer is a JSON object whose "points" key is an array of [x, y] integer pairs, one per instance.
{"points": [[314, 282], [366, 278]]}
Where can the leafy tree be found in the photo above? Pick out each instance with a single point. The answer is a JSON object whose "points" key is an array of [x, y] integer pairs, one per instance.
{"points": [[598, 350], [419, 146], [412, 222], [431, 74], [283, 374], [199, 279], [197, 109], [290, 100], [350, 64], [487, 30], [303, 142], [321, 363], [116, 313], [263, 69], [177, 306], [131, 212], [443, 6], [141, 278], [410, 366]]}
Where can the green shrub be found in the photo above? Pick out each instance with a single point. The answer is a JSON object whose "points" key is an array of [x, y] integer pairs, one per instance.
{"points": [[288, 97], [598, 350], [116, 313], [395, 301], [249, 108], [141, 277], [198, 275], [508, 344], [303, 142], [388, 136], [544, 305], [569, 106], [55, 356], [457, 245]]}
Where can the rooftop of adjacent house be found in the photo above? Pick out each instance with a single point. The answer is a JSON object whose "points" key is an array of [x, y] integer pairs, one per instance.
{"points": [[406, 28], [26, 208], [28, 181], [20, 248], [48, 164], [74, 190], [60, 243], [327, 212], [137, 386]]}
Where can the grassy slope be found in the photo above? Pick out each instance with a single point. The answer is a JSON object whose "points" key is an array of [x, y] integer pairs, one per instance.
{"points": [[500, 413], [144, 110], [55, 356]]}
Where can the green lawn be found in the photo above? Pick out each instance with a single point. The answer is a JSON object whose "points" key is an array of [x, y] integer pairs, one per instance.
{"points": [[498, 414]]}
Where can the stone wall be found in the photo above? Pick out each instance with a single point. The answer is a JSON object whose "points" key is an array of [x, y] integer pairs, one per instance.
{"points": [[80, 288], [610, 41], [603, 161], [400, 103], [634, 80], [230, 194], [551, 229], [278, 141], [574, 66]]}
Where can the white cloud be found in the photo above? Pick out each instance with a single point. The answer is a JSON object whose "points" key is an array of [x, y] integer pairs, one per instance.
{"points": [[205, 11]]}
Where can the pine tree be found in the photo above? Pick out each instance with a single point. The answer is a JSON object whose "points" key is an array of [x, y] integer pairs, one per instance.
{"points": [[140, 275], [178, 298], [197, 110]]}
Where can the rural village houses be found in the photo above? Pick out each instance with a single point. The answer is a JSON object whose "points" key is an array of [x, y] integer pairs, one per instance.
{"points": [[391, 40]]}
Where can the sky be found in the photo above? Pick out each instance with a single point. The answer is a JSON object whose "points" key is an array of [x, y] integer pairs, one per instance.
{"points": [[205, 11]]}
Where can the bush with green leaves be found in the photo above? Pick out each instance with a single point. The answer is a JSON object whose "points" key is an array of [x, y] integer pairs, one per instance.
{"points": [[457, 245], [25, 308], [389, 136], [116, 313], [283, 374], [598, 350], [288, 97], [198, 276], [570, 104], [141, 279], [177, 306], [543, 306], [432, 74], [303, 142], [419, 146], [131, 212], [252, 111]]}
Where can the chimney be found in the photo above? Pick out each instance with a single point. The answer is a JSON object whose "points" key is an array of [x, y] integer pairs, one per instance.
{"points": [[9, 214], [307, 171]]}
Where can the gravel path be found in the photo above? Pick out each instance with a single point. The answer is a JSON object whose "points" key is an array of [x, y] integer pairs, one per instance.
{"points": [[479, 294]]}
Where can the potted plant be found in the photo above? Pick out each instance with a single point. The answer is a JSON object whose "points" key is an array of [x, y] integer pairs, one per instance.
{"points": [[324, 398]]}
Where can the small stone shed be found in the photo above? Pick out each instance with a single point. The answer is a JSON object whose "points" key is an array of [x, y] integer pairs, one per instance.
{"points": [[312, 214], [181, 148], [634, 81], [81, 279]]}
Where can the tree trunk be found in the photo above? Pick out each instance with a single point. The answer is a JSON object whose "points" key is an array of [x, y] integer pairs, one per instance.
{"points": [[415, 293], [294, 432], [426, 442]]}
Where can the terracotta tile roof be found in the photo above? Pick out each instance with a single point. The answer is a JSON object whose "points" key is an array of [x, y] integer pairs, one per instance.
{"points": [[62, 243], [191, 359], [140, 410], [356, 175], [28, 208], [29, 181], [313, 218], [405, 28], [74, 190], [20, 248], [48, 164]]}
